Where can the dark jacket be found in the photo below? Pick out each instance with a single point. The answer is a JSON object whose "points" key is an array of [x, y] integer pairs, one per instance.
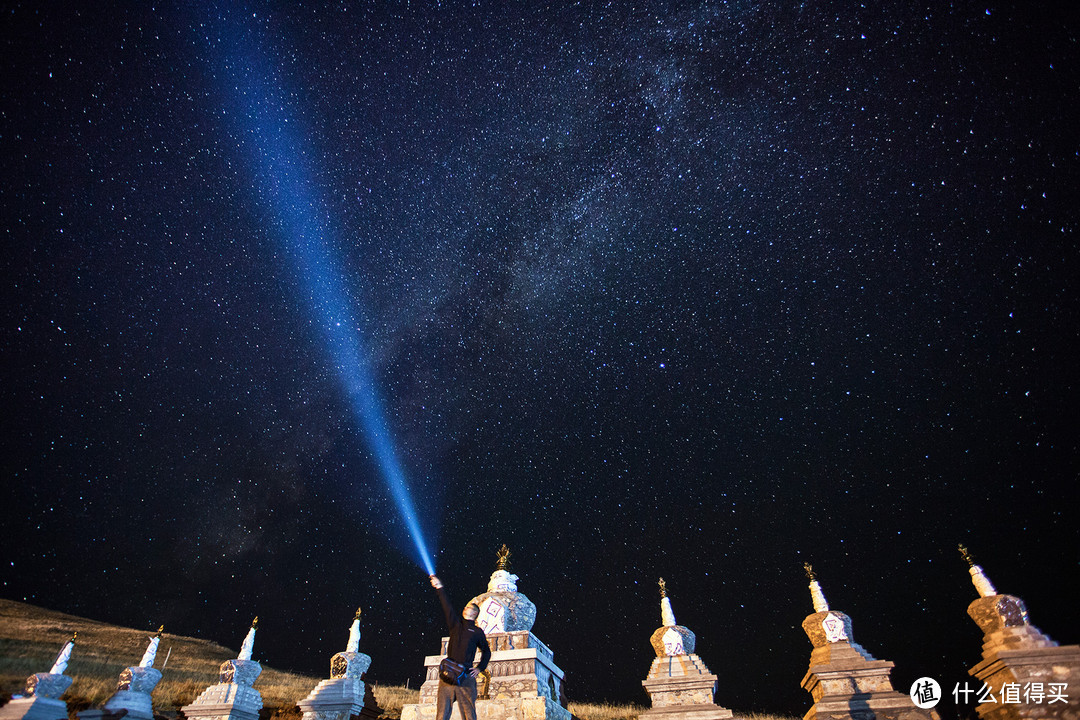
{"points": [[465, 637]]}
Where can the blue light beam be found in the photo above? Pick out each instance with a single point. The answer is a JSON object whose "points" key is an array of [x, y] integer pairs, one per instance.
{"points": [[270, 136]]}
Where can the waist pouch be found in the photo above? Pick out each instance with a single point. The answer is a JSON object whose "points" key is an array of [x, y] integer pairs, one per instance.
{"points": [[452, 672]]}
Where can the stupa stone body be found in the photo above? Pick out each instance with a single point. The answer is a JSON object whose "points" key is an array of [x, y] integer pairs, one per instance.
{"points": [[41, 699], [522, 681], [132, 696], [232, 698], [679, 684], [345, 694], [1028, 674], [846, 681]]}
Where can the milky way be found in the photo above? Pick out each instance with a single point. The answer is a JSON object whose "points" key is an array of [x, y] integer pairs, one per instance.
{"points": [[702, 291]]}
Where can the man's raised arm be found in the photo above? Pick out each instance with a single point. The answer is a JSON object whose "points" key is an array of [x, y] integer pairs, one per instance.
{"points": [[451, 616]]}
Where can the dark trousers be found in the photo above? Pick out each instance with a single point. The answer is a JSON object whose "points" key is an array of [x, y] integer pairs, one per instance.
{"points": [[464, 695]]}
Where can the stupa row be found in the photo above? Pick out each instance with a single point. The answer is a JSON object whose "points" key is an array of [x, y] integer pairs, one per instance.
{"points": [[523, 682], [342, 696]]}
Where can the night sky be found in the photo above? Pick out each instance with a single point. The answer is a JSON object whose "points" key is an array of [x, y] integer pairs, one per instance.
{"points": [[699, 290]]}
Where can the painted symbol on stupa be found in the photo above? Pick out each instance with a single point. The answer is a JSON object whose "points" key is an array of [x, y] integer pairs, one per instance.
{"points": [[834, 628], [492, 617]]}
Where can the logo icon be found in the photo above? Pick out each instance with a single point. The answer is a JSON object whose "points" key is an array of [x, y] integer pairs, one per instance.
{"points": [[925, 693]]}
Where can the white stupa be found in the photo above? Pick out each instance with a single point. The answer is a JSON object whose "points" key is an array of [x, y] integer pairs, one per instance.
{"points": [[522, 681], [132, 697], [679, 684], [41, 698], [232, 698], [345, 694]]}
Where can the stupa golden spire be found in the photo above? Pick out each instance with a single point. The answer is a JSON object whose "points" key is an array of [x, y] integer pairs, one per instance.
{"points": [[503, 555], [978, 578], [816, 593], [966, 554]]}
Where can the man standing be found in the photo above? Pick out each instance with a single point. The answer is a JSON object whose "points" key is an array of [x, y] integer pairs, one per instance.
{"points": [[465, 638]]}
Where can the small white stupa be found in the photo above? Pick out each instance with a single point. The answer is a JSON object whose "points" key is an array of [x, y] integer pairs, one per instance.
{"points": [[344, 694], [679, 684], [137, 683], [41, 699], [1015, 652], [843, 676], [232, 698]]}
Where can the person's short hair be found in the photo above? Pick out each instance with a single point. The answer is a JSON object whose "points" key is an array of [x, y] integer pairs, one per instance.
{"points": [[471, 612]]}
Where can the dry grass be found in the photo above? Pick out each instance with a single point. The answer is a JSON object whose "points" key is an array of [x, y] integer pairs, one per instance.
{"points": [[391, 697], [609, 711], [765, 716], [30, 638], [604, 711]]}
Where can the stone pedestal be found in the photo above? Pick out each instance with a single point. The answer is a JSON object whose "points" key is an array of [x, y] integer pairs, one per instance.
{"points": [[34, 708], [679, 684], [345, 694], [522, 681], [232, 698], [42, 700], [132, 697], [682, 687], [524, 684], [1015, 653], [847, 682]]}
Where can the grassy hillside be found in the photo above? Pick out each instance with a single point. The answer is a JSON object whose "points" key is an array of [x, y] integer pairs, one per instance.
{"points": [[30, 638]]}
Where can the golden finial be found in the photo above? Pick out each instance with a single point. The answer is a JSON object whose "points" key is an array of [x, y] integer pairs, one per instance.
{"points": [[966, 554], [160, 630], [357, 615], [663, 588], [809, 571], [73, 636], [255, 622], [503, 555]]}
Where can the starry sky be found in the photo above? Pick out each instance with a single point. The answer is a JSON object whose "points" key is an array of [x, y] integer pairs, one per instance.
{"points": [[701, 290]]}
